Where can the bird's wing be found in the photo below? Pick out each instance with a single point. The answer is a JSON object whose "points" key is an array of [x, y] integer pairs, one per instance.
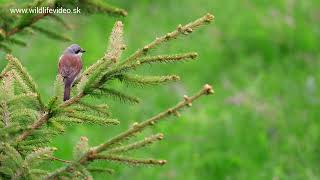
{"points": [[70, 65]]}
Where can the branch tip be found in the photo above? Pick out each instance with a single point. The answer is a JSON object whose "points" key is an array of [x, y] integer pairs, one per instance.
{"points": [[162, 162], [160, 136], [135, 125], [194, 55], [145, 48], [179, 28], [176, 78], [119, 23], [209, 17], [208, 89], [9, 57], [83, 138]]}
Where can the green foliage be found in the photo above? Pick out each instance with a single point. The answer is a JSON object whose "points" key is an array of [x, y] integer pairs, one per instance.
{"points": [[24, 23], [50, 34], [142, 81], [116, 94], [13, 165], [28, 123], [81, 148], [264, 62]]}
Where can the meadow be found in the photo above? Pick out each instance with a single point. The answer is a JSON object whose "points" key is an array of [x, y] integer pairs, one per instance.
{"points": [[262, 58]]}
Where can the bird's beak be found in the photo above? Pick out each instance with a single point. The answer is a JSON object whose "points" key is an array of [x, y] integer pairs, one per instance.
{"points": [[82, 50]]}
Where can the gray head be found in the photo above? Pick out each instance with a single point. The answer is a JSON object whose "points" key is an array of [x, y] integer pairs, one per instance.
{"points": [[74, 49]]}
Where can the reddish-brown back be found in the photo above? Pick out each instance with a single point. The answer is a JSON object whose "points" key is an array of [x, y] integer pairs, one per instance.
{"points": [[70, 66]]}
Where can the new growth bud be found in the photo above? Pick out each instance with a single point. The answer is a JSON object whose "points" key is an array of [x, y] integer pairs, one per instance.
{"points": [[208, 89]]}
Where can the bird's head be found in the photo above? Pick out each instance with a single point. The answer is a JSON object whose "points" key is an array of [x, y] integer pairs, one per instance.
{"points": [[75, 49]]}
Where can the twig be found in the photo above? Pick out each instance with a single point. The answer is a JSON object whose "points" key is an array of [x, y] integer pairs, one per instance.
{"points": [[93, 153], [33, 127], [34, 20], [5, 113], [58, 159], [44, 119], [129, 160], [72, 100], [15, 63], [146, 141], [188, 28], [207, 89]]}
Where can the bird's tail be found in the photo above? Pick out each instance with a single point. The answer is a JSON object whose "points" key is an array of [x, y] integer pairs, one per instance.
{"points": [[67, 88]]}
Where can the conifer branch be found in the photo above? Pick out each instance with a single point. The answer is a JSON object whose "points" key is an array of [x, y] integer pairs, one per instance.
{"points": [[123, 68], [116, 44], [113, 53], [66, 120], [96, 66], [128, 160], [30, 142], [99, 109], [33, 20], [94, 119], [51, 34], [95, 152], [60, 20], [20, 23], [5, 113], [110, 171], [56, 125], [39, 153], [16, 41], [146, 80], [5, 71], [168, 58], [58, 159], [207, 89], [31, 124], [72, 100], [15, 63], [136, 145], [81, 147], [44, 118], [181, 30], [115, 94], [23, 85], [5, 48]]}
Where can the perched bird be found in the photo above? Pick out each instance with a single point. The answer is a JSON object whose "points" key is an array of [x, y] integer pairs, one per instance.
{"points": [[70, 65]]}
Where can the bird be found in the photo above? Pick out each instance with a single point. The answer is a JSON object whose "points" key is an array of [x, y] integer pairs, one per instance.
{"points": [[70, 66]]}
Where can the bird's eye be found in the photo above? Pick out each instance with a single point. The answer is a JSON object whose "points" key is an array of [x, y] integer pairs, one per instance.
{"points": [[77, 51]]}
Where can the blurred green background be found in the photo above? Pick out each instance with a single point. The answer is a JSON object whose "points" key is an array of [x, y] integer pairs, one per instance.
{"points": [[262, 58]]}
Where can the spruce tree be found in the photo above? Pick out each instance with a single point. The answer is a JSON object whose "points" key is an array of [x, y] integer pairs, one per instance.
{"points": [[27, 123]]}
